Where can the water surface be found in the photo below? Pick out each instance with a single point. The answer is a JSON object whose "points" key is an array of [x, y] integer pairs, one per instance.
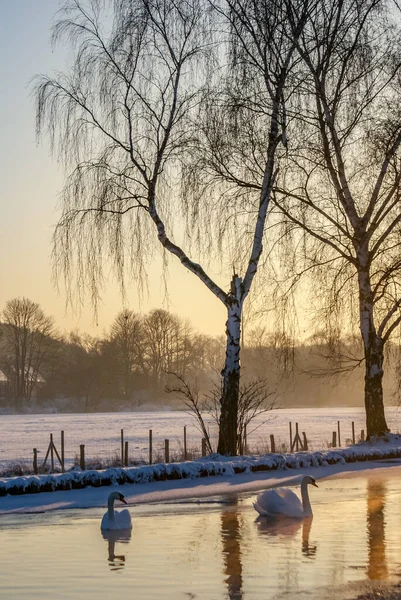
{"points": [[211, 550]]}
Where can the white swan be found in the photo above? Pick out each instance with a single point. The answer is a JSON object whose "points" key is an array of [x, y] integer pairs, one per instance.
{"points": [[116, 520], [283, 502]]}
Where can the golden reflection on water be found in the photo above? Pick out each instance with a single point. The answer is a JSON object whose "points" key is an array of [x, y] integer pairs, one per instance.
{"points": [[376, 502], [231, 545], [210, 551]]}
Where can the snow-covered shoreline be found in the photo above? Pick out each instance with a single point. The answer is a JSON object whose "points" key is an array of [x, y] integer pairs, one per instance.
{"points": [[213, 465]]}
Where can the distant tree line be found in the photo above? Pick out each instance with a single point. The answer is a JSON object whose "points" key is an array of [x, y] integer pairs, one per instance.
{"points": [[133, 362], [134, 355]]}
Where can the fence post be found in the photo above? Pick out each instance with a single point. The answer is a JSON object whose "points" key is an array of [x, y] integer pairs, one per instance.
{"points": [[339, 437], [82, 456], [245, 441], [51, 452], [150, 447], [272, 444], [185, 442], [122, 447], [353, 432], [62, 451], [166, 451], [334, 440], [296, 438], [362, 435], [35, 461], [126, 454], [305, 444], [203, 446], [290, 436]]}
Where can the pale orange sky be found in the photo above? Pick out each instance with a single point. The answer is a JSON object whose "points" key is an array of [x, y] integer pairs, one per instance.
{"points": [[30, 181]]}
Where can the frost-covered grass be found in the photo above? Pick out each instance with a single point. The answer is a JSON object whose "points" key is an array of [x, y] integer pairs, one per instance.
{"points": [[100, 433]]}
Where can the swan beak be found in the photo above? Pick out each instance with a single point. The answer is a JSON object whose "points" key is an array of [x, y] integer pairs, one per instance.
{"points": [[124, 500], [315, 484]]}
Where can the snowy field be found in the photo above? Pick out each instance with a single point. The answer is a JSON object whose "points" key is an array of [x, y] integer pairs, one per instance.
{"points": [[101, 433]]}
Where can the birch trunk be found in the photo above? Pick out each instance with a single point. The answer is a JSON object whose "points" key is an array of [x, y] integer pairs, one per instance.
{"points": [[373, 350], [227, 444]]}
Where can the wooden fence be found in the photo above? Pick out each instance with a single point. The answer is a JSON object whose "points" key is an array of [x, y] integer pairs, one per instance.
{"points": [[55, 458]]}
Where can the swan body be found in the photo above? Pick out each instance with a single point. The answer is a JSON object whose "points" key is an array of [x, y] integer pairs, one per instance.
{"points": [[112, 519], [284, 502]]}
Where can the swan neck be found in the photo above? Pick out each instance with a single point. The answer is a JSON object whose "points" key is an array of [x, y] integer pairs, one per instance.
{"points": [[306, 506], [110, 509]]}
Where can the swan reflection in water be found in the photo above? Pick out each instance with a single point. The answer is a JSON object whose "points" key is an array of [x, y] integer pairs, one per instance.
{"points": [[285, 526], [116, 561]]}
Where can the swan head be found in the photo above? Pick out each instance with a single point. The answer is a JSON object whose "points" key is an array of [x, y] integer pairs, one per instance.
{"points": [[308, 480], [117, 496]]}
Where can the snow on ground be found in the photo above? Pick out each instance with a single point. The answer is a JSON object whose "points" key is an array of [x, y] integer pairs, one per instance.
{"points": [[100, 432], [193, 487], [185, 489]]}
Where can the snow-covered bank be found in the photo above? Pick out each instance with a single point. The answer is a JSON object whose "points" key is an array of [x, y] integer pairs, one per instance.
{"points": [[186, 490], [214, 465]]}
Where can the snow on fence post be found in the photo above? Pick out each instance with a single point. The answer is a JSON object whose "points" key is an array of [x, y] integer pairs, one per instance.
{"points": [[203, 446], [150, 447], [353, 432], [62, 452], [185, 442], [126, 454], [334, 440], [272, 444], [35, 461], [339, 437], [122, 447], [82, 456], [166, 451]]}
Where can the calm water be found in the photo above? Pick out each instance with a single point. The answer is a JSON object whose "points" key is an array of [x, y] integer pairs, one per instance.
{"points": [[211, 550]]}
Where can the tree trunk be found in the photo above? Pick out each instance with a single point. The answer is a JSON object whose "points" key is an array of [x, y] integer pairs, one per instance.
{"points": [[375, 419], [227, 444], [373, 349]]}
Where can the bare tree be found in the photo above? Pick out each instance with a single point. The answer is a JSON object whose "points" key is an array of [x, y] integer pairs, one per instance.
{"points": [[29, 342], [167, 345], [254, 400], [124, 120], [127, 344], [340, 191]]}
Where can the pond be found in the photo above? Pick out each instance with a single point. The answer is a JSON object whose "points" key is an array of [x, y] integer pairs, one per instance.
{"points": [[214, 549]]}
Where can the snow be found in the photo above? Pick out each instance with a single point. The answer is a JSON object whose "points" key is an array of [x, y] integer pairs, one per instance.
{"points": [[100, 432], [200, 478], [215, 475], [176, 490]]}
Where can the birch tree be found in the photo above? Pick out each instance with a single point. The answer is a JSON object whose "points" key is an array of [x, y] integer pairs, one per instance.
{"points": [[124, 121], [340, 191]]}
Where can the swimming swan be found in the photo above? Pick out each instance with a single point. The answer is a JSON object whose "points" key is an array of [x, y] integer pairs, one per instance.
{"points": [[116, 520], [283, 502]]}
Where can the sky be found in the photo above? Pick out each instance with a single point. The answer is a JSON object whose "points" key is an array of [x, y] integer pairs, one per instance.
{"points": [[30, 184]]}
